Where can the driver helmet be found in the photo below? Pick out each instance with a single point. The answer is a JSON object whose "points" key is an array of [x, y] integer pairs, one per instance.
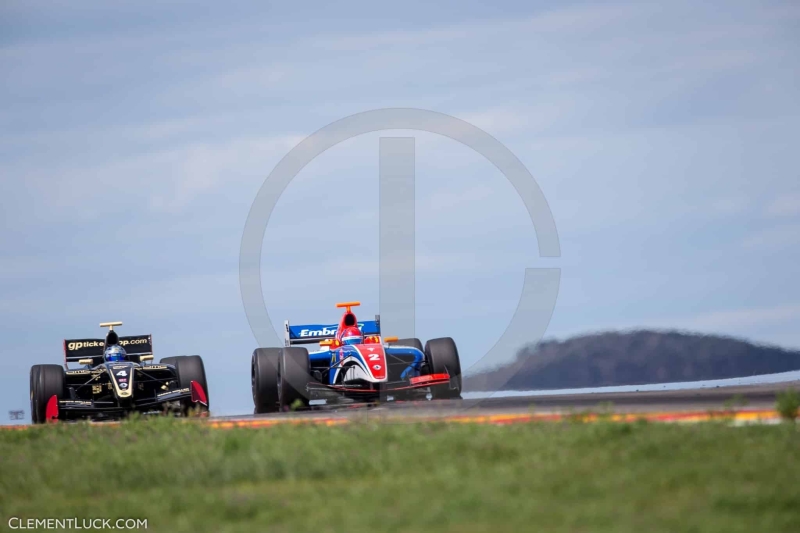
{"points": [[115, 353], [352, 335]]}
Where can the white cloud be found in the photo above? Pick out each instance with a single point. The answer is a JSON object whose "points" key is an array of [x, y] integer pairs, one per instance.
{"points": [[786, 205], [730, 320], [638, 120], [775, 238], [496, 120], [728, 205], [757, 322], [169, 178]]}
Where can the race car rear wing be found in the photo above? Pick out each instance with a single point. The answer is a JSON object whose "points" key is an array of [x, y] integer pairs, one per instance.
{"points": [[313, 333], [77, 349]]}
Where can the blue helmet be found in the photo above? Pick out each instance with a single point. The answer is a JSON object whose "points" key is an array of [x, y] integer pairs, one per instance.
{"points": [[115, 352]]}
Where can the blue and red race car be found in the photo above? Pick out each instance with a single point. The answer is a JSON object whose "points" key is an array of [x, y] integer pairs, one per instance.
{"points": [[353, 363]]}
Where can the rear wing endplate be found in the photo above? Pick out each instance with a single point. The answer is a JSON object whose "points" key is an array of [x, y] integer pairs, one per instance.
{"points": [[313, 333]]}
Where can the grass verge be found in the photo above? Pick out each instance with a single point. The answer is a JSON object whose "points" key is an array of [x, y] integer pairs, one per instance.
{"points": [[408, 478], [787, 404]]}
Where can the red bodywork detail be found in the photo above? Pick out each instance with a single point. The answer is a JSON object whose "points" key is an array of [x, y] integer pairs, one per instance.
{"points": [[51, 411], [198, 394], [418, 380], [374, 357], [414, 383], [348, 319]]}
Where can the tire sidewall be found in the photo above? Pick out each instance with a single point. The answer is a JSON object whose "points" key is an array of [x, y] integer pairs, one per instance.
{"points": [[34, 378], [190, 368], [413, 342], [442, 357], [294, 376], [264, 379], [46, 381]]}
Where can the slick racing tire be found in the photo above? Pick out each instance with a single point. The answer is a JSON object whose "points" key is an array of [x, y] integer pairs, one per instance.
{"points": [[293, 378], [264, 379], [414, 343], [189, 368], [442, 358], [46, 381]]}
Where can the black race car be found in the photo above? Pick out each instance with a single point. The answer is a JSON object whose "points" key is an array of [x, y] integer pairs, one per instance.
{"points": [[110, 389]]}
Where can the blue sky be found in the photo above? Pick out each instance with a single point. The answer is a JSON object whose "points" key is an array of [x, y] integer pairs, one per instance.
{"points": [[133, 142]]}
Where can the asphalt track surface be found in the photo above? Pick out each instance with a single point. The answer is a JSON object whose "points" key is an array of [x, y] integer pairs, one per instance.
{"points": [[750, 397], [745, 403]]}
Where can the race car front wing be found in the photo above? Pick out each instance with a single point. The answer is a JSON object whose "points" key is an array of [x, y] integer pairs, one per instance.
{"points": [[319, 390], [73, 409]]}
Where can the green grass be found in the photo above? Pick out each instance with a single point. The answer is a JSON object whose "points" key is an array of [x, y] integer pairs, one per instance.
{"points": [[551, 477], [787, 404]]}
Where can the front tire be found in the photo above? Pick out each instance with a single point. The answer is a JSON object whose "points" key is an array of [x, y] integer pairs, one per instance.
{"points": [[442, 358], [46, 381], [293, 378], [264, 379], [190, 368], [413, 342]]}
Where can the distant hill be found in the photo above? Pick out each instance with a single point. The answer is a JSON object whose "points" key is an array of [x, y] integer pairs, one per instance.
{"points": [[633, 358]]}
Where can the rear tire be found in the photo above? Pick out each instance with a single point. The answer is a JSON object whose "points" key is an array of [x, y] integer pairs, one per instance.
{"points": [[293, 378], [264, 379], [34, 378], [442, 358], [190, 368], [46, 381]]}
